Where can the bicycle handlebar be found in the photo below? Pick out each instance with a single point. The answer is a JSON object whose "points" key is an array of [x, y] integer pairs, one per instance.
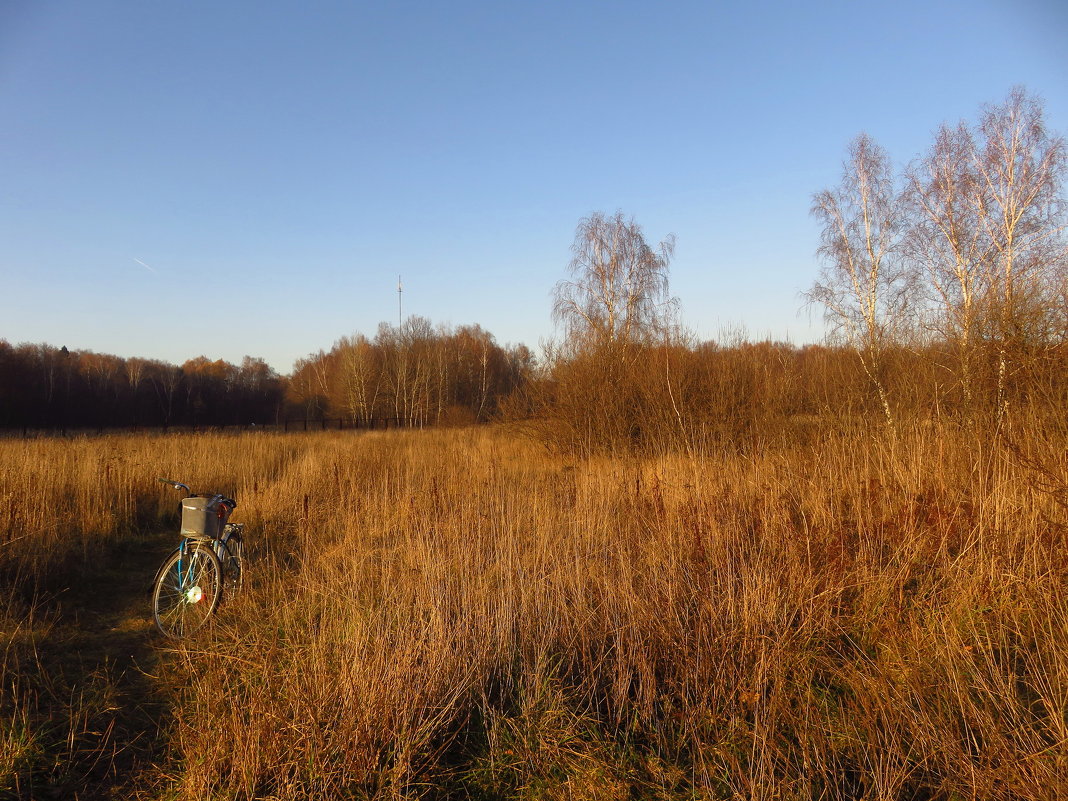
{"points": [[179, 485], [175, 484]]}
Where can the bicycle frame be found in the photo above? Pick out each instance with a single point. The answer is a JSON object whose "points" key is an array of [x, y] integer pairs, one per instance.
{"points": [[220, 545], [207, 564]]}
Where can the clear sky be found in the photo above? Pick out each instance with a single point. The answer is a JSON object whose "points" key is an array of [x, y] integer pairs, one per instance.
{"points": [[231, 178]]}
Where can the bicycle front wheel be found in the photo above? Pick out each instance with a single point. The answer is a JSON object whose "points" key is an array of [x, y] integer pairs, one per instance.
{"points": [[187, 590]]}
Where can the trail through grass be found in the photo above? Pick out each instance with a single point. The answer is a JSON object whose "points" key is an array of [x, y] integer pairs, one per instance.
{"points": [[87, 709]]}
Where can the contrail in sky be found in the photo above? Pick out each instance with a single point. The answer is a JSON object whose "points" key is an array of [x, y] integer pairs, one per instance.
{"points": [[150, 269]]}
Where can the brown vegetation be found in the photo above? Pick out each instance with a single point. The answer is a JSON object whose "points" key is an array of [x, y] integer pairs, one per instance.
{"points": [[676, 570], [460, 612]]}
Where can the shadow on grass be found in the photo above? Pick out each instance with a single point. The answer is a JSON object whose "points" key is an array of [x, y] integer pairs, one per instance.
{"points": [[81, 711]]}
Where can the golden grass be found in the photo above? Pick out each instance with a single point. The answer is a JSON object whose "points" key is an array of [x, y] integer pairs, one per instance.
{"points": [[59, 497], [460, 613]]}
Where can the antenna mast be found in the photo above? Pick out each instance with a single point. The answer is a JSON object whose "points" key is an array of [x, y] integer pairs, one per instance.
{"points": [[400, 289]]}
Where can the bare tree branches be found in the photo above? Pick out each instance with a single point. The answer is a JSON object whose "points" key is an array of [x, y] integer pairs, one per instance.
{"points": [[1021, 210], [948, 247], [619, 291], [972, 244], [863, 286], [986, 238]]}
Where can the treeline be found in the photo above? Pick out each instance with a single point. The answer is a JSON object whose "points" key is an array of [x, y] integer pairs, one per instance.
{"points": [[44, 387], [746, 395], [416, 374], [945, 284]]}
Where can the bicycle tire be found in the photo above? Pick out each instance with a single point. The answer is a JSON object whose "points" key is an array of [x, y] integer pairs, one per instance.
{"points": [[233, 563], [183, 600]]}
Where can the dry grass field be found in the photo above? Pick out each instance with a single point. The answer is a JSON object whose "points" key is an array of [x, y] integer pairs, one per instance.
{"points": [[463, 614]]}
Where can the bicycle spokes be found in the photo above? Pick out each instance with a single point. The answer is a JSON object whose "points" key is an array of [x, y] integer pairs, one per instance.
{"points": [[187, 591]]}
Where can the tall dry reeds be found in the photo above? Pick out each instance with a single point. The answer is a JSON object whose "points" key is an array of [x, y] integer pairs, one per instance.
{"points": [[856, 615], [76, 517], [456, 612], [61, 497]]}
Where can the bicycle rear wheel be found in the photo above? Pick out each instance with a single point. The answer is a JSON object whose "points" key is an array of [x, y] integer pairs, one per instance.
{"points": [[187, 590], [233, 563]]}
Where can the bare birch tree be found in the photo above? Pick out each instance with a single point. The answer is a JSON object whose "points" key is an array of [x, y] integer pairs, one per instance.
{"points": [[614, 307], [1021, 167], [862, 286], [948, 246], [618, 294]]}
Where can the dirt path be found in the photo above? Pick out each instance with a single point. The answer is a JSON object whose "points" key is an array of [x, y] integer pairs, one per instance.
{"points": [[87, 663]]}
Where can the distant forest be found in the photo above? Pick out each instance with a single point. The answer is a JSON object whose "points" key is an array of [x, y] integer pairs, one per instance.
{"points": [[44, 387], [415, 375]]}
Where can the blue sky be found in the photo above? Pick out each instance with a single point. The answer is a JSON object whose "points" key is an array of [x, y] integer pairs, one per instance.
{"points": [[231, 178]]}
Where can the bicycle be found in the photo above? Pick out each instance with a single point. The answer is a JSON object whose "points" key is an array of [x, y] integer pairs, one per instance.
{"points": [[208, 561]]}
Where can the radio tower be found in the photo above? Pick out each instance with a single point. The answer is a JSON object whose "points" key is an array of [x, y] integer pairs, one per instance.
{"points": [[400, 289]]}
